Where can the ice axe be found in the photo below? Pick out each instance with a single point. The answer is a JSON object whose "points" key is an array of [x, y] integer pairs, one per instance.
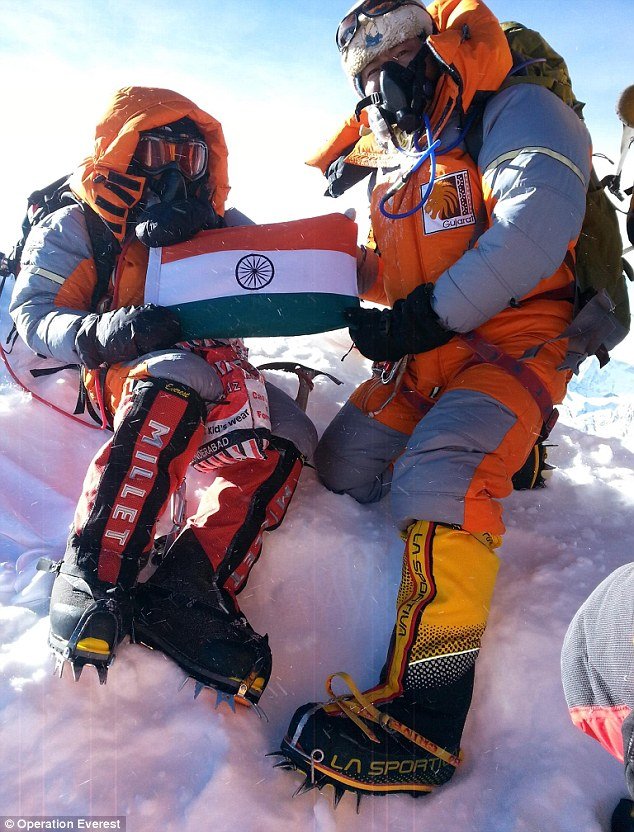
{"points": [[305, 376]]}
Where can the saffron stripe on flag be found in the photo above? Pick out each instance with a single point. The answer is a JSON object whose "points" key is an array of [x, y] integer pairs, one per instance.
{"points": [[334, 232]]}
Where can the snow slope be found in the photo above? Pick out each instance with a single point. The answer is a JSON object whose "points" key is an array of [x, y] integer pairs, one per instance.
{"points": [[324, 590]]}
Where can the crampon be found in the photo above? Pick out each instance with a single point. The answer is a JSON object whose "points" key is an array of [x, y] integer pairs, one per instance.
{"points": [[232, 690], [222, 697], [88, 621]]}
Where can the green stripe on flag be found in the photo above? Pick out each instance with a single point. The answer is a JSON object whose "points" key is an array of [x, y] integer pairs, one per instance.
{"points": [[261, 315]]}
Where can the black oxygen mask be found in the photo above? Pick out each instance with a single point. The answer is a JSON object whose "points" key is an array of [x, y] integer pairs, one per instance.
{"points": [[169, 185], [404, 93]]}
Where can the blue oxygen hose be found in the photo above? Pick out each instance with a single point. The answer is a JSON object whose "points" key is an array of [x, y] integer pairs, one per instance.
{"points": [[428, 153]]}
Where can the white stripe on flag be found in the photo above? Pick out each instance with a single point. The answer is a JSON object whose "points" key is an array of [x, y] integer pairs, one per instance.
{"points": [[215, 275]]}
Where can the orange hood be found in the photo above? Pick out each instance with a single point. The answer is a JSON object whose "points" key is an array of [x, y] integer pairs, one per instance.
{"points": [[471, 45], [102, 180]]}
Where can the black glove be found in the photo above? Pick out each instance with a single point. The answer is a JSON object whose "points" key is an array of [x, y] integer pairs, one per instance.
{"points": [[410, 327], [125, 334], [342, 175], [168, 223]]}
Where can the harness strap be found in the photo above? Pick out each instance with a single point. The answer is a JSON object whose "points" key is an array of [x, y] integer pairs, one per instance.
{"points": [[26, 389], [418, 400], [566, 292], [487, 353]]}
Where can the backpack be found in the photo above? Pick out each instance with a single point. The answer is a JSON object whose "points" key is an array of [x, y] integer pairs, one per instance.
{"points": [[104, 245], [599, 263], [105, 249]]}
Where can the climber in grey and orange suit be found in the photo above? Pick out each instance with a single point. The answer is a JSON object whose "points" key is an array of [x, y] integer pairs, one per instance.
{"points": [[472, 259], [158, 176]]}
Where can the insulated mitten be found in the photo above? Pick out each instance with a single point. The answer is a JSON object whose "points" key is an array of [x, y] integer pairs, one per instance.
{"points": [[410, 327], [125, 334], [168, 223]]}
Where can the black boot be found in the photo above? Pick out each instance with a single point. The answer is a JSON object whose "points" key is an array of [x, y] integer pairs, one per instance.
{"points": [[181, 611], [407, 745], [126, 488], [88, 618], [623, 817]]}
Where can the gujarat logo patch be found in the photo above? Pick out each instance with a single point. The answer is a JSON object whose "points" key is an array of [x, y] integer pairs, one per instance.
{"points": [[450, 204]]}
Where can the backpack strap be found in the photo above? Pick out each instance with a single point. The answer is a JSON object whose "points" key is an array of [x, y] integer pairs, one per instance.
{"points": [[105, 249], [473, 138]]}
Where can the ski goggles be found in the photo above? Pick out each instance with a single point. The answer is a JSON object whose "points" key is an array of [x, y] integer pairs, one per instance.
{"points": [[370, 8], [155, 153]]}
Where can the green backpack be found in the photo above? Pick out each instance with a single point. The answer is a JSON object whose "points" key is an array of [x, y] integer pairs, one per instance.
{"points": [[599, 250]]}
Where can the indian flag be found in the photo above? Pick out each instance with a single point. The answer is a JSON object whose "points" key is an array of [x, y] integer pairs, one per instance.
{"points": [[289, 278]]}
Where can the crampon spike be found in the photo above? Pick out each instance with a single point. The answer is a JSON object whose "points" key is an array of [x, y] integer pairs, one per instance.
{"points": [[102, 673], [306, 786], [359, 796], [58, 670], [76, 670], [183, 683], [198, 689], [276, 754], [339, 793], [286, 765], [261, 714], [225, 697]]}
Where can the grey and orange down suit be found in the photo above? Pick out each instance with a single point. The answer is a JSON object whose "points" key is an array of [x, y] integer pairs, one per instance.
{"points": [[496, 238], [54, 291]]}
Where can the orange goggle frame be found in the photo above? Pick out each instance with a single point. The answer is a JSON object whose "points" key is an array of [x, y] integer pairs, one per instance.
{"points": [[155, 153]]}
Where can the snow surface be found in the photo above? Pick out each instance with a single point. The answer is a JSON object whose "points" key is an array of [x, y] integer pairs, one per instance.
{"points": [[324, 590]]}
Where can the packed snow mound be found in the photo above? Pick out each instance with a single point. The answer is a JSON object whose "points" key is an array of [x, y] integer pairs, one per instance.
{"points": [[324, 589]]}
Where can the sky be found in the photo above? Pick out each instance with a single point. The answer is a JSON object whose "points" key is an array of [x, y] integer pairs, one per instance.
{"points": [[269, 71]]}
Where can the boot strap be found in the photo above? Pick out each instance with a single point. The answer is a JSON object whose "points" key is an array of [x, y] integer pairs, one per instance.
{"points": [[358, 705]]}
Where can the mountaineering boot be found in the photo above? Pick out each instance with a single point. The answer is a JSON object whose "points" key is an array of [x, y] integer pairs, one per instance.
{"points": [[404, 734], [181, 611], [88, 617], [409, 744], [188, 607], [157, 430], [535, 470]]}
